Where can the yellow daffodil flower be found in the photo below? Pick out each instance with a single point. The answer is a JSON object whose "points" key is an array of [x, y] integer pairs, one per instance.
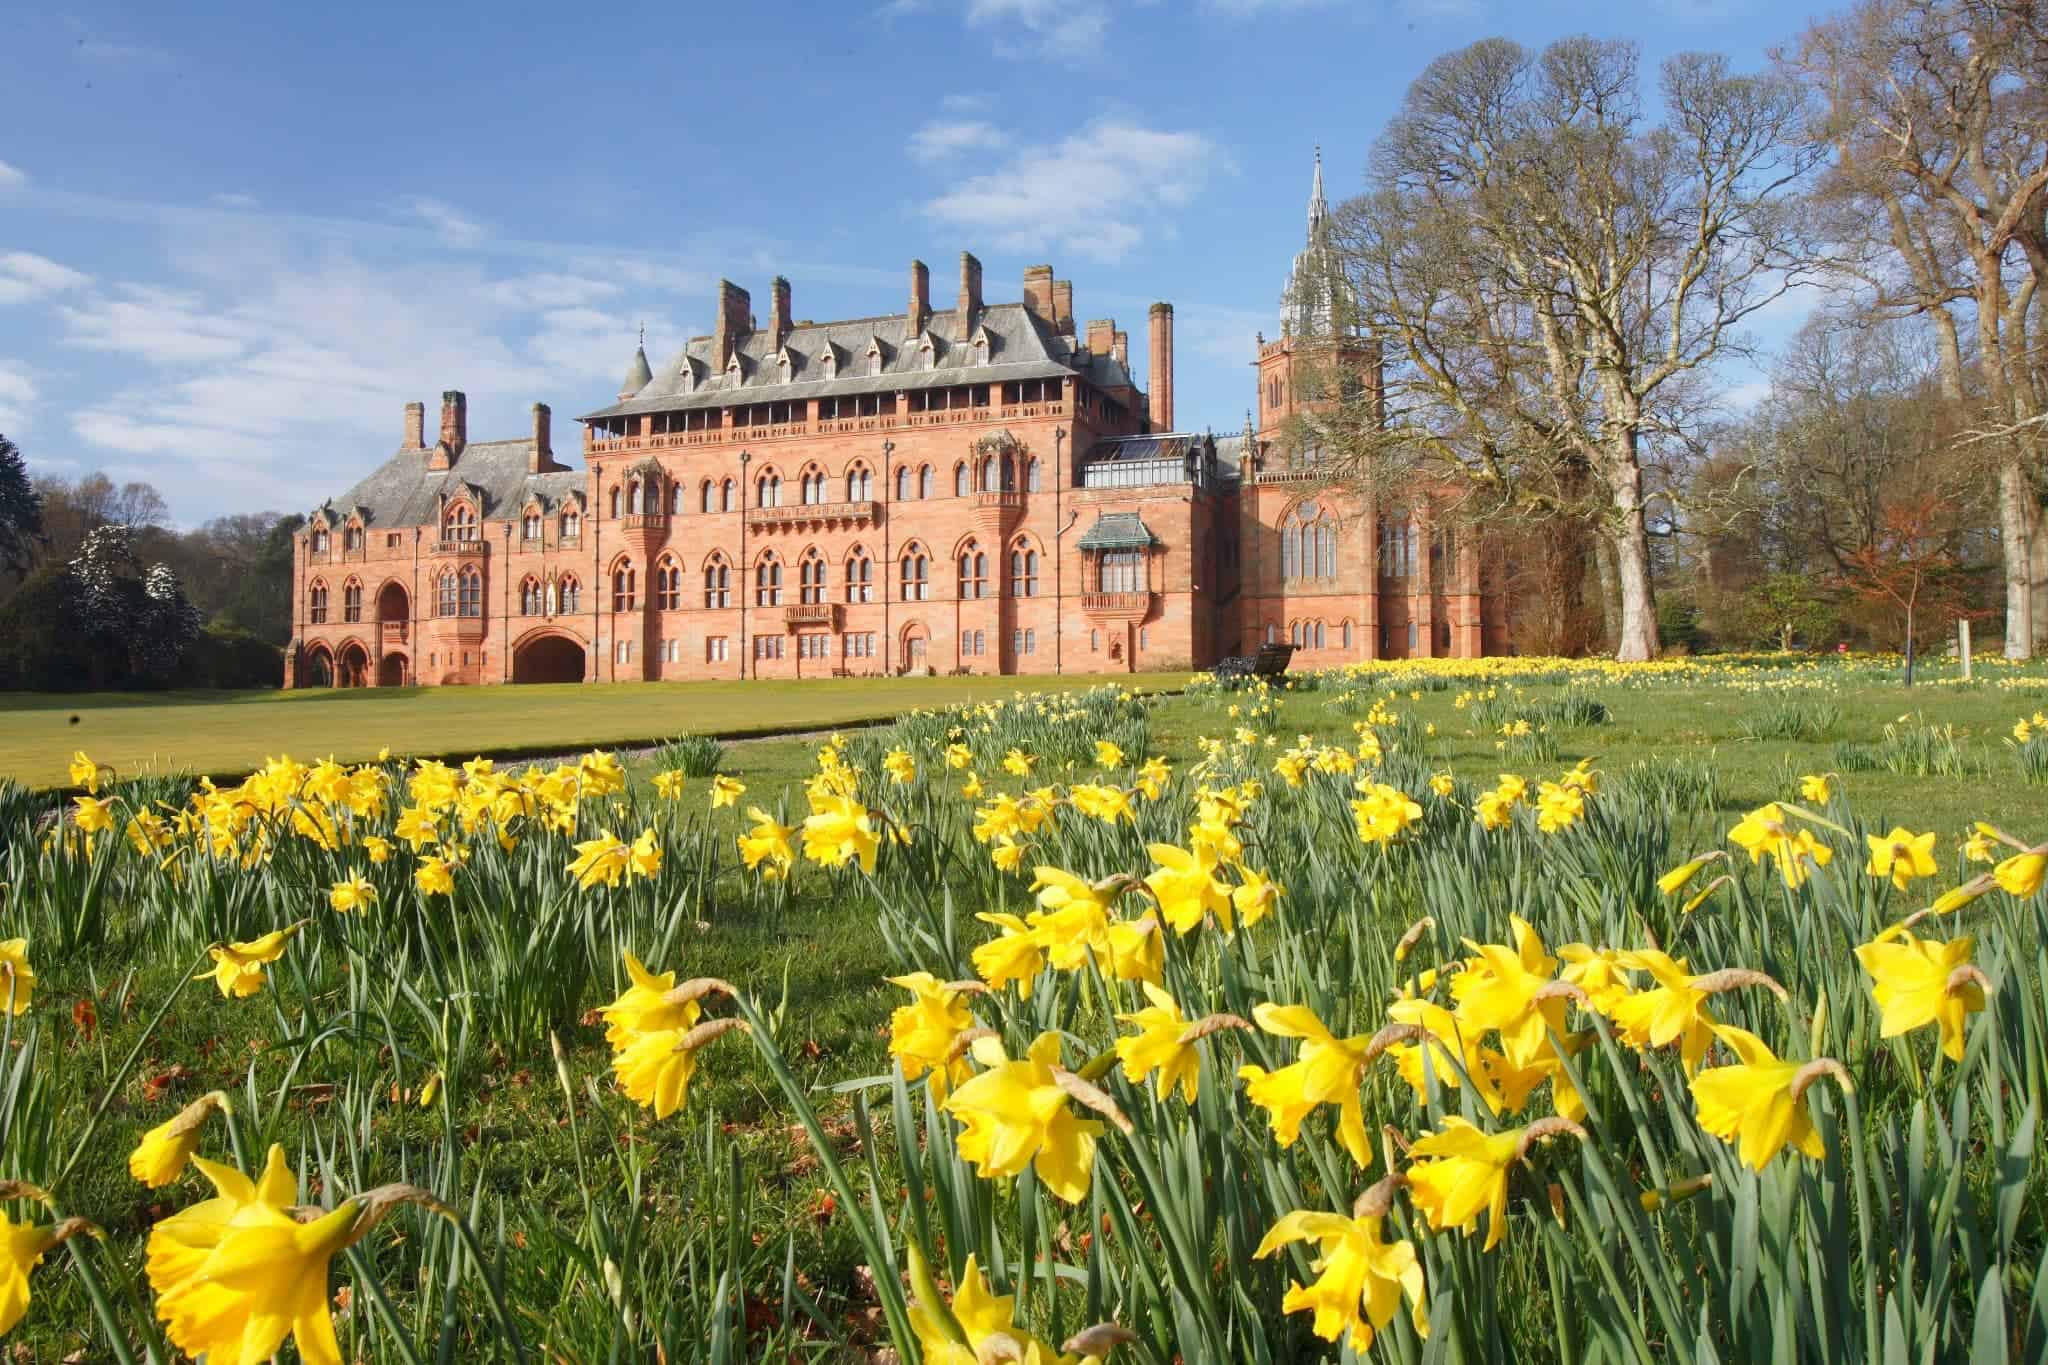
{"points": [[1328, 1070], [1902, 856], [726, 791], [839, 830], [1185, 886], [1674, 1010], [644, 1007], [900, 766], [1498, 991], [353, 893], [602, 859], [17, 977], [1157, 1050], [1921, 981], [1360, 1278], [238, 967], [85, 773], [922, 1033], [766, 848], [434, 877], [1461, 1171], [1750, 1104], [643, 859], [1015, 955], [1016, 1115], [160, 1157], [2021, 874], [1108, 755], [669, 785]]}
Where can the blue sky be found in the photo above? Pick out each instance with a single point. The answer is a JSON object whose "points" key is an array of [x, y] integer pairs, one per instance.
{"points": [[236, 238]]}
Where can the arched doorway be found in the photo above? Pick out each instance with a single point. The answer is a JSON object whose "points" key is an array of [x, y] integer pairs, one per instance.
{"points": [[391, 671], [548, 659], [316, 668], [915, 641], [354, 665], [394, 609]]}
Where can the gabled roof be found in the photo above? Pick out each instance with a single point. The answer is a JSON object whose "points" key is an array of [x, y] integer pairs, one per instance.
{"points": [[1119, 531], [1020, 347], [404, 492]]}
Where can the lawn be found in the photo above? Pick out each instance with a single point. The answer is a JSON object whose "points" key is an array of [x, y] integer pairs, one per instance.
{"points": [[725, 1231], [230, 733]]}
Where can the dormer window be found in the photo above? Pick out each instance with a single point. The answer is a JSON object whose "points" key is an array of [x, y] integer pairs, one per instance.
{"points": [[732, 371], [529, 525], [461, 524], [828, 363], [352, 538], [874, 358], [785, 364], [319, 540], [979, 348], [927, 353]]}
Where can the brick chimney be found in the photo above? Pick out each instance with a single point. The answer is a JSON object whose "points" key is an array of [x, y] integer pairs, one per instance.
{"points": [[920, 299], [1120, 347], [415, 426], [543, 457], [1101, 335], [454, 430], [970, 293], [1159, 353], [734, 321], [1038, 293], [1063, 307], [778, 312]]}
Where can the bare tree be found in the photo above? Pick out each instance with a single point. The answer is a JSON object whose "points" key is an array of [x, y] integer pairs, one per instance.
{"points": [[1552, 275], [1936, 116]]}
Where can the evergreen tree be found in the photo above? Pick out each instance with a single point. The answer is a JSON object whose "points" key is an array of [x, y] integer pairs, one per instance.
{"points": [[21, 513]]}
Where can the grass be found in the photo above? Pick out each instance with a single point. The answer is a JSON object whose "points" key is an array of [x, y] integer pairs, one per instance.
{"points": [[223, 733], [820, 957]]}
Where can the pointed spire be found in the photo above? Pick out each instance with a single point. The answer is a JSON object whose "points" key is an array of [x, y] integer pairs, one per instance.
{"points": [[638, 374], [1318, 206]]}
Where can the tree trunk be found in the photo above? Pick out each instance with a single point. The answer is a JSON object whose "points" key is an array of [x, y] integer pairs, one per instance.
{"points": [[1610, 591], [1630, 542], [2015, 533]]}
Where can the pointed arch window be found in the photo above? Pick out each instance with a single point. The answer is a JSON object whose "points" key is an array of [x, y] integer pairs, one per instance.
{"points": [[960, 480], [447, 600], [768, 490], [351, 538], [617, 507], [915, 579], [572, 525], [316, 603], [717, 583], [728, 496], [352, 601], [927, 483], [470, 584], [988, 474], [1031, 476], [860, 484], [810, 577], [319, 540], [1023, 570], [625, 586], [973, 571], [768, 581], [709, 502], [636, 501], [532, 601], [860, 576], [461, 524], [668, 584], [529, 524], [1397, 544], [568, 593], [1308, 543], [675, 498], [903, 483], [814, 485]]}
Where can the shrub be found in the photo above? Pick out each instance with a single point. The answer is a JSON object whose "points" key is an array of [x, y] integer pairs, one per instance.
{"points": [[690, 755], [1792, 718]]}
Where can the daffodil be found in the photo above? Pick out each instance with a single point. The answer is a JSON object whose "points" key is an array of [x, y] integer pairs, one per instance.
{"points": [[900, 766], [1254, 896], [1017, 763], [923, 1033], [1796, 853], [1360, 1279], [1185, 887], [1014, 955], [669, 785], [1500, 990], [17, 977], [1674, 1010], [766, 848], [238, 967], [839, 830], [643, 859], [654, 1069], [1017, 1114], [1751, 1104], [726, 791], [1159, 1048], [1108, 755], [1443, 784], [1328, 1070], [1461, 1171], [977, 1326], [352, 893], [1921, 981], [93, 815], [644, 1006], [2021, 874], [85, 773], [160, 1157], [434, 876], [958, 756], [1383, 813], [22, 1248], [1814, 787], [602, 859], [1902, 856]]}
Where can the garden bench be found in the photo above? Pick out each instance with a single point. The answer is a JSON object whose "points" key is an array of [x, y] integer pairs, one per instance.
{"points": [[1270, 662]]}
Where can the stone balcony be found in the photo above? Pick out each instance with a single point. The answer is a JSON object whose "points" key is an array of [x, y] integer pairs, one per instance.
{"points": [[812, 516], [1118, 606], [801, 614], [468, 548]]}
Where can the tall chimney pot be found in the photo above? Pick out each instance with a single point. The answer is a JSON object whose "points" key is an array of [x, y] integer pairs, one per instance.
{"points": [[1159, 355], [920, 299], [415, 426]]}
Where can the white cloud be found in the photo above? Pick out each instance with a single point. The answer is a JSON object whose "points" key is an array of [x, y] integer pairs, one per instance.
{"points": [[17, 391], [942, 138], [1072, 29], [25, 275], [1096, 192], [453, 227], [12, 177]]}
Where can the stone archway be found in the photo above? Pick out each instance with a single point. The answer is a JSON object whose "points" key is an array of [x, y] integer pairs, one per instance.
{"points": [[391, 671], [913, 648], [352, 667], [549, 659], [316, 667]]}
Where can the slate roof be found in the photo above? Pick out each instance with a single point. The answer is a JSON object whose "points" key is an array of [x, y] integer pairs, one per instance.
{"points": [[1019, 347], [1118, 531], [404, 492]]}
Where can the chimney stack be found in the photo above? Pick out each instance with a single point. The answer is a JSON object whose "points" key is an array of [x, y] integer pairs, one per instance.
{"points": [[1063, 307], [454, 421], [1101, 335], [1159, 353], [1120, 347], [920, 299], [970, 293], [735, 320], [778, 312], [415, 426], [543, 458], [1038, 293]]}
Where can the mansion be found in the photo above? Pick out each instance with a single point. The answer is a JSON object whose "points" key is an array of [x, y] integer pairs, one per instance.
{"points": [[982, 487]]}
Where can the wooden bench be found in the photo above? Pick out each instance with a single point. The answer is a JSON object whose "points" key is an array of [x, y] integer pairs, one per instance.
{"points": [[1270, 662]]}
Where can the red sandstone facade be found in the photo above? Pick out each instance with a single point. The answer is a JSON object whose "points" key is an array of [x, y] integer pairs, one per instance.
{"points": [[976, 488]]}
